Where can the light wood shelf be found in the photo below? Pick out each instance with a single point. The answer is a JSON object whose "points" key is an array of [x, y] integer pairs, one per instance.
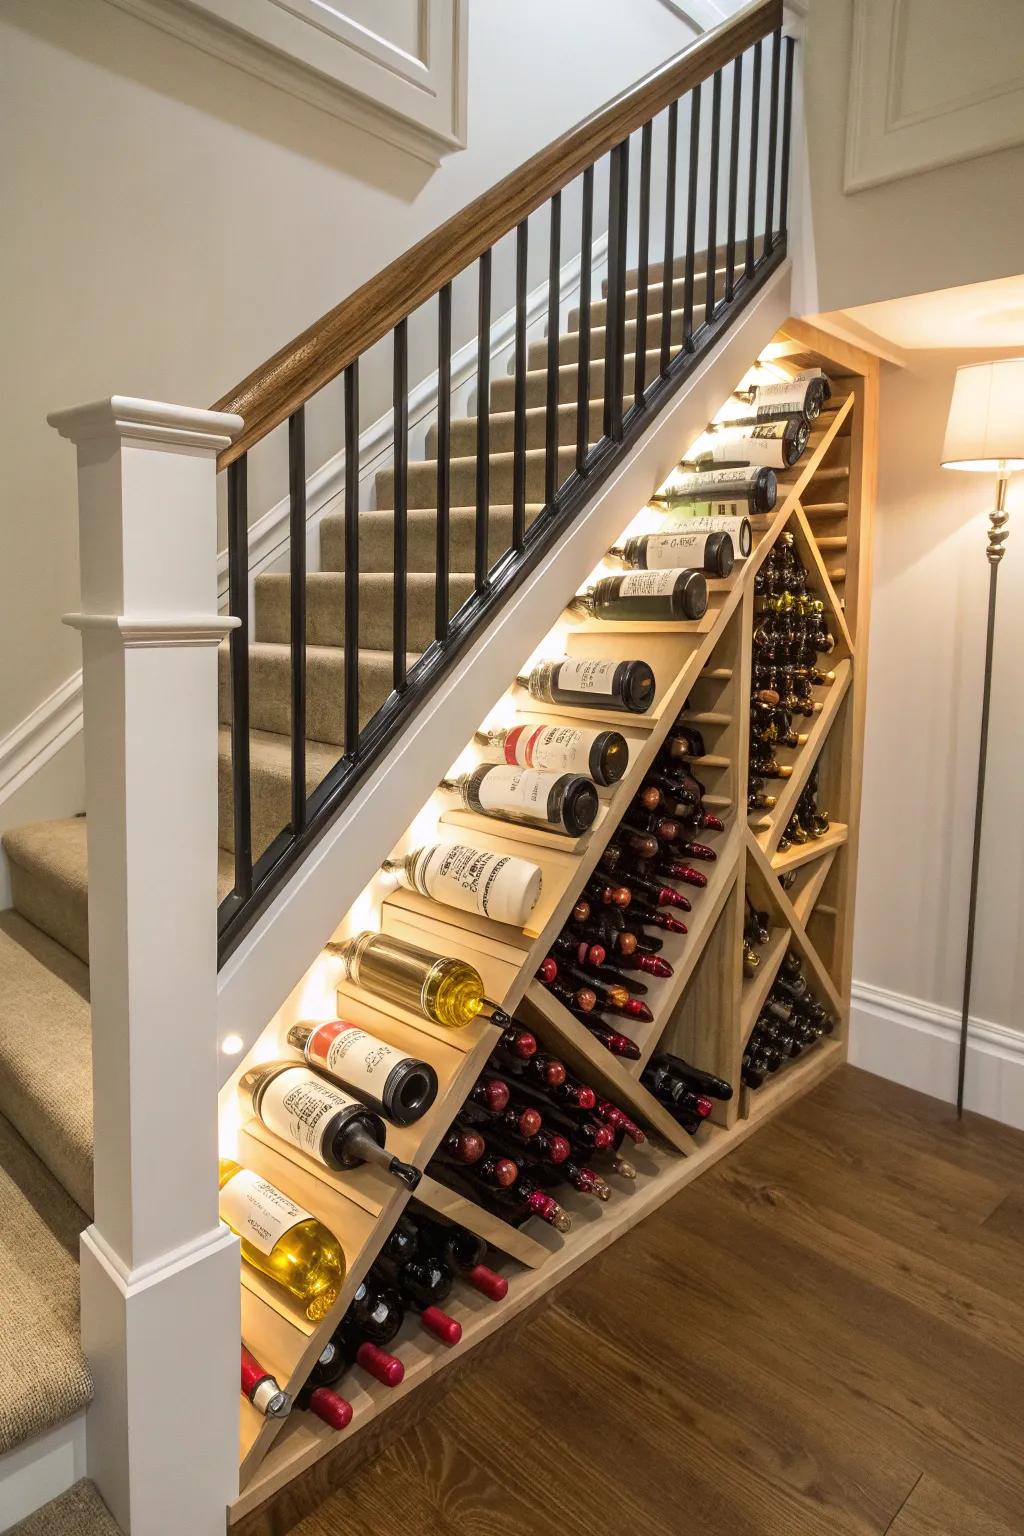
{"points": [[706, 1007]]}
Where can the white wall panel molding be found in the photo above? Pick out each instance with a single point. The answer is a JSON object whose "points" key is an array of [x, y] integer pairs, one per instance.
{"points": [[914, 1042], [930, 85], [398, 70]]}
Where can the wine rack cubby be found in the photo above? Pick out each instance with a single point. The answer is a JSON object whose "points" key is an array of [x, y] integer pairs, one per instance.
{"points": [[703, 1011]]}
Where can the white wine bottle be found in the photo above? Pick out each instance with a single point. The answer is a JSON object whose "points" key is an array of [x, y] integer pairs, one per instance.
{"points": [[281, 1239], [561, 802], [604, 755], [692, 519], [590, 682], [659, 596], [493, 885], [396, 1085], [771, 444], [307, 1110], [742, 490], [711, 552], [803, 396], [445, 990]]}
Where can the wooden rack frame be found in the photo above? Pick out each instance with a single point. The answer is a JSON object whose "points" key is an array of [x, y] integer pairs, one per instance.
{"points": [[704, 1012]]}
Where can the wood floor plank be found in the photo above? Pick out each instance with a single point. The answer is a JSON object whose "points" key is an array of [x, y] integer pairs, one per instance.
{"points": [[823, 1336], [935, 1510]]}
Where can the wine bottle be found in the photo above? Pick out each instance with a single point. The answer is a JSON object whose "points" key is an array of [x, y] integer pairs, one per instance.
{"points": [[617, 1118], [463, 1252], [613, 1040], [498, 886], [262, 1389], [281, 1239], [604, 755], [662, 595], [461, 1144], [586, 1181], [590, 682], [770, 444], [304, 1108], [747, 488], [682, 741], [396, 1085], [561, 802], [490, 1093], [448, 991], [423, 1283], [709, 552], [702, 1082], [803, 396], [375, 1315], [706, 517], [327, 1405]]}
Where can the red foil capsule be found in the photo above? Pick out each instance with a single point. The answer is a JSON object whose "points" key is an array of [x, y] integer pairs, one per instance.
{"points": [[612, 1115], [685, 873], [505, 1172], [558, 1148], [441, 1325], [668, 896], [581, 911], [636, 1008], [626, 943], [548, 1210], [596, 954], [327, 1405], [703, 1106], [699, 851], [666, 829], [588, 1182], [385, 1368], [649, 798], [653, 965], [528, 1122], [493, 1093], [520, 1042], [466, 1147], [548, 969], [711, 822], [586, 999], [552, 1071], [489, 1284]]}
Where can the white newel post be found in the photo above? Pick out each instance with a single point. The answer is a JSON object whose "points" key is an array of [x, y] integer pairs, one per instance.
{"points": [[160, 1296]]}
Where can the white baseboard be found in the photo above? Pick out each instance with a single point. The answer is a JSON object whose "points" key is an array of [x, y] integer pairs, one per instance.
{"points": [[37, 738], [41, 1468], [916, 1043]]}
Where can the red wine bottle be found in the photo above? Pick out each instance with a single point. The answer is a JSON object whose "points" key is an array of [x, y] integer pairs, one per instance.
{"points": [[262, 1389], [327, 1405], [612, 1039], [617, 1118], [462, 1144], [463, 1252], [603, 755], [423, 1283], [561, 802], [660, 596], [490, 1093], [586, 1181], [590, 682], [710, 552]]}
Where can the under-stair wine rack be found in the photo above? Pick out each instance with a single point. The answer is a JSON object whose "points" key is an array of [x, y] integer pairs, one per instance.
{"points": [[704, 1012]]}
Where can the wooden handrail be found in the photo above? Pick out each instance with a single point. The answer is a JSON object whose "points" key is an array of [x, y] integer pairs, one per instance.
{"points": [[277, 388]]}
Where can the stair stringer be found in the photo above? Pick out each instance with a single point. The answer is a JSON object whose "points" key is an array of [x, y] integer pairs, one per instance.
{"points": [[270, 964]]}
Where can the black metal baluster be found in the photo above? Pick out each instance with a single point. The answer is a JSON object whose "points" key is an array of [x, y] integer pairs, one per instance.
{"points": [[238, 606], [297, 538], [401, 403], [352, 560], [444, 459], [773, 135], [586, 263], [734, 176], [716, 125], [483, 420], [787, 112], [643, 239], [615, 312], [691, 217], [519, 403], [667, 271], [755, 110], [551, 433]]}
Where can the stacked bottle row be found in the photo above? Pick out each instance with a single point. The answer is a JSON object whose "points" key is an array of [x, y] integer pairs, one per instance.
{"points": [[790, 1021], [809, 820], [528, 1127], [790, 636], [413, 1275]]}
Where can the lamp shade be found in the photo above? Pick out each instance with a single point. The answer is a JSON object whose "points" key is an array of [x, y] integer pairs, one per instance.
{"points": [[985, 429]]}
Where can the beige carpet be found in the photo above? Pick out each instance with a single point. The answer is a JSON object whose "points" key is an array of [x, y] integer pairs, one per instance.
{"points": [[79, 1512]]}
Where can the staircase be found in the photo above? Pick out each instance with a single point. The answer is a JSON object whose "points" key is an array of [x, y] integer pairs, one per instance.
{"points": [[46, 1129]]}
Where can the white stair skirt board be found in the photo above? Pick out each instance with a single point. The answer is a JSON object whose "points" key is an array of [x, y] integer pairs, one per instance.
{"points": [[41, 1468], [286, 939], [916, 1043]]}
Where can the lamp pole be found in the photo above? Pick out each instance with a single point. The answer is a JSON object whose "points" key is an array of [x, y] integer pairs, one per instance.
{"points": [[997, 535]]}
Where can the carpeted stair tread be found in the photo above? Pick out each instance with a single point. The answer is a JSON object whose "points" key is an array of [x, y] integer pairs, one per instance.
{"points": [[270, 674], [49, 879], [569, 346], [78, 1512], [503, 389], [46, 1052], [503, 426], [44, 1379], [376, 536], [270, 761], [325, 607], [655, 300], [422, 482]]}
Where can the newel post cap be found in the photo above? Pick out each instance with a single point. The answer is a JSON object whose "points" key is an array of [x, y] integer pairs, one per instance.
{"points": [[147, 421]]}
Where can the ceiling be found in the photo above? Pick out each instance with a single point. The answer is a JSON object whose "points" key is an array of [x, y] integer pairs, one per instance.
{"points": [[976, 316]]}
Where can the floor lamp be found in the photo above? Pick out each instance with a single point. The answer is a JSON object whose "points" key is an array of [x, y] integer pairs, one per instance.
{"points": [[985, 433]]}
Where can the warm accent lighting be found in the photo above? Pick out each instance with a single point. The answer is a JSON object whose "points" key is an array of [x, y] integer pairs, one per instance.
{"points": [[985, 430], [232, 1045]]}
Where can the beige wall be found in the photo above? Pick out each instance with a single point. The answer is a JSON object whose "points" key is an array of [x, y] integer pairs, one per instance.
{"points": [[924, 705], [169, 221], [951, 225]]}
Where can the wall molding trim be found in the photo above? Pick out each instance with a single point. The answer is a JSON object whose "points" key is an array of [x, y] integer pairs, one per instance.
{"points": [[888, 135], [915, 1042], [58, 719], [414, 97]]}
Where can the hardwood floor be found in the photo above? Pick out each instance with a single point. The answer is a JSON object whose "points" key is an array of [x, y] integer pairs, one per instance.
{"points": [[824, 1336]]}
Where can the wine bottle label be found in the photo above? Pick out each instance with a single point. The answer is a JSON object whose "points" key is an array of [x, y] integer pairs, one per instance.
{"points": [[556, 748], [353, 1055], [659, 583], [789, 397], [258, 1211], [519, 790], [298, 1106], [720, 520], [586, 675], [503, 888], [761, 445], [701, 481], [670, 551]]}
